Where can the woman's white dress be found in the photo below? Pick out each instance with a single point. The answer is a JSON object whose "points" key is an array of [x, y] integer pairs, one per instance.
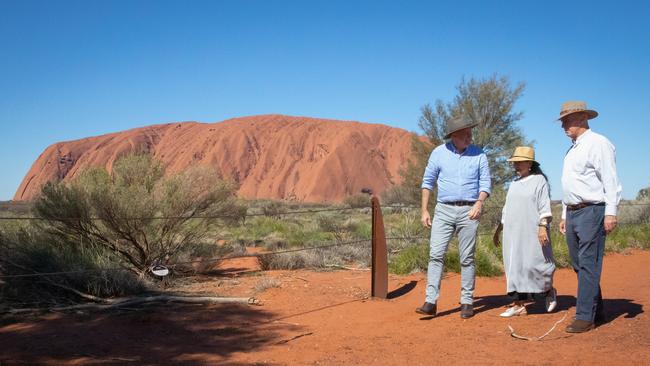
{"points": [[529, 266]]}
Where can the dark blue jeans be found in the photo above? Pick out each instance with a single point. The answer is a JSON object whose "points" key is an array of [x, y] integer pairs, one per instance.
{"points": [[585, 236]]}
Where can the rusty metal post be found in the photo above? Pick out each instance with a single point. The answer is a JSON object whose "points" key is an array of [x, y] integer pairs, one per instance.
{"points": [[379, 252]]}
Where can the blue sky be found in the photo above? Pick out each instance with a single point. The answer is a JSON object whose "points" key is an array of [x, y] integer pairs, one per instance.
{"points": [[73, 69]]}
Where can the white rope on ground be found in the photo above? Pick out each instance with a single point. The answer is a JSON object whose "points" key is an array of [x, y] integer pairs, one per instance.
{"points": [[515, 335]]}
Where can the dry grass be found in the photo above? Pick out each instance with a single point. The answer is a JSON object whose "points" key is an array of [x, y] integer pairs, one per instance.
{"points": [[266, 283]]}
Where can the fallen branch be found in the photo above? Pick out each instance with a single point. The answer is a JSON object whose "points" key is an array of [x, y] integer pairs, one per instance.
{"points": [[347, 268], [77, 292], [296, 337], [116, 303]]}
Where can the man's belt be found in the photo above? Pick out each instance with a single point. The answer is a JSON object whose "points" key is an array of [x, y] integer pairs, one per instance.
{"points": [[460, 203], [579, 206]]}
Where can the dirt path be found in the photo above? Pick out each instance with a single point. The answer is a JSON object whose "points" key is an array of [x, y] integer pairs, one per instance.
{"points": [[324, 318]]}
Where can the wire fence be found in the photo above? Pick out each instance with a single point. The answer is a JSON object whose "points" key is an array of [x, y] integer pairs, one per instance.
{"points": [[276, 213], [253, 214]]}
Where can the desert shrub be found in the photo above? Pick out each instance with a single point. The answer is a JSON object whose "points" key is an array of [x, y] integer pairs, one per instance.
{"points": [[492, 210], [301, 235], [402, 195], [274, 209], [634, 212], [136, 213], [361, 229], [488, 260], [406, 225], [260, 227], [318, 258], [560, 249], [266, 283], [26, 252], [291, 260], [332, 224], [452, 259], [358, 200], [275, 233], [629, 236], [412, 259], [15, 208], [416, 258], [358, 254]]}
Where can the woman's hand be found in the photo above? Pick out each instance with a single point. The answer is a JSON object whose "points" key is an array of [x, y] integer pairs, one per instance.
{"points": [[542, 235]]}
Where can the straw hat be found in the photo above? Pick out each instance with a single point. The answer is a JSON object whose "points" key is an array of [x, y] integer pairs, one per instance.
{"points": [[575, 107], [523, 153], [457, 124]]}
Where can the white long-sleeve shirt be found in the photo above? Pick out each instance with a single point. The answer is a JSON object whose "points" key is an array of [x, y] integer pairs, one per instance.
{"points": [[589, 173]]}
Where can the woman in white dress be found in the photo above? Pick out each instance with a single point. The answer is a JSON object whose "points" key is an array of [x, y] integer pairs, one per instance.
{"points": [[525, 222]]}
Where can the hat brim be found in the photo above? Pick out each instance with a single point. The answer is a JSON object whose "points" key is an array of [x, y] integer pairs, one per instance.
{"points": [[520, 158], [448, 135], [591, 114]]}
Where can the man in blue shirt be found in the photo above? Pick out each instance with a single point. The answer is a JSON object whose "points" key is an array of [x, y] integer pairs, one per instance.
{"points": [[461, 172]]}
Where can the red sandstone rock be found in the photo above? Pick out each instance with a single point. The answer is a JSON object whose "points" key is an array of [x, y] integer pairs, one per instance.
{"points": [[269, 156]]}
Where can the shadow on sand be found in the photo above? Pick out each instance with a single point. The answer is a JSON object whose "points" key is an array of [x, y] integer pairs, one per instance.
{"points": [[614, 308], [401, 291], [170, 334]]}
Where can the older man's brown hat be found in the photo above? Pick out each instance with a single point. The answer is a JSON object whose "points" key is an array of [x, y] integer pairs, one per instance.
{"points": [[572, 107]]}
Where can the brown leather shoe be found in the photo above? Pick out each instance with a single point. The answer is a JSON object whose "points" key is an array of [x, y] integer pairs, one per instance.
{"points": [[427, 309], [466, 311], [579, 326]]}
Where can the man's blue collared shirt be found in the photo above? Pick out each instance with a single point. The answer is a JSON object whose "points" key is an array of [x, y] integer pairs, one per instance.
{"points": [[460, 177]]}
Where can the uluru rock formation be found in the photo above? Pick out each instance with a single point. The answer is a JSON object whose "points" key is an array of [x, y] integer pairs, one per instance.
{"points": [[269, 156]]}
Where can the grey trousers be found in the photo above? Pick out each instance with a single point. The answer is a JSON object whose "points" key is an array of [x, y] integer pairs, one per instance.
{"points": [[447, 220], [585, 236]]}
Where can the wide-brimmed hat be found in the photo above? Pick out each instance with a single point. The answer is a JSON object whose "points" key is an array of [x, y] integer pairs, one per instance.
{"points": [[572, 107], [523, 153], [457, 124]]}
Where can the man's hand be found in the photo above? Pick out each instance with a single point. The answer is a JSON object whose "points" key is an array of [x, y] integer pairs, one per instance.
{"points": [[610, 223], [563, 226], [542, 235], [475, 212], [426, 219]]}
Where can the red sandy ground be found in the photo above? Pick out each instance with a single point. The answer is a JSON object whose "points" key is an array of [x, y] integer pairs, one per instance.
{"points": [[325, 318]]}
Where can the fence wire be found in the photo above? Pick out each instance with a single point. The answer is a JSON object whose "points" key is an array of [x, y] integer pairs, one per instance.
{"points": [[256, 214], [248, 255], [215, 259]]}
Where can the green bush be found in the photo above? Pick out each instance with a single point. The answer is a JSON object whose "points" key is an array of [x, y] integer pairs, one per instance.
{"points": [[137, 213], [412, 259], [488, 260], [361, 229], [416, 258], [260, 227], [629, 236], [560, 250], [274, 209], [28, 252], [358, 200]]}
